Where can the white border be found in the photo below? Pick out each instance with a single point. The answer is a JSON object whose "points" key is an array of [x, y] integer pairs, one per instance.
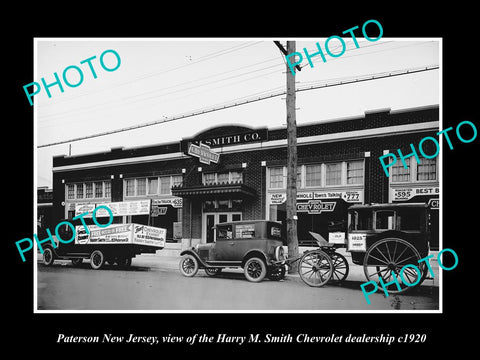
{"points": [[35, 286]]}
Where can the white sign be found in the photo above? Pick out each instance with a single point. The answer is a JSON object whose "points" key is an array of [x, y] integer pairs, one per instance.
{"points": [[350, 196], [357, 242], [176, 202], [336, 237], [124, 208], [121, 234], [203, 153], [404, 194]]}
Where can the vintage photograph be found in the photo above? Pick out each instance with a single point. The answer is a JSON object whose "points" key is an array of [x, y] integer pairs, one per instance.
{"points": [[239, 174]]}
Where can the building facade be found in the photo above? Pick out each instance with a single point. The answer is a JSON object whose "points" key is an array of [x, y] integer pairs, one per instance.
{"points": [[233, 173]]}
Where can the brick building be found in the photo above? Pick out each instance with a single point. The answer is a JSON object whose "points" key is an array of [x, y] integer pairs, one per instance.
{"points": [[231, 173]]}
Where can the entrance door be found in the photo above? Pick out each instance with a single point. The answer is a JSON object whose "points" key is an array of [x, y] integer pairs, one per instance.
{"points": [[211, 219]]}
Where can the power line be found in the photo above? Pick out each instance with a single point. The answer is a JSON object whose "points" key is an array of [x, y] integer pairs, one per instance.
{"points": [[144, 96], [363, 78]]}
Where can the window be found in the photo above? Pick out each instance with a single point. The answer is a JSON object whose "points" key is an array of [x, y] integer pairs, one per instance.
{"points": [[89, 190], [427, 169], [245, 231], [224, 232], [165, 185], [276, 178], [313, 175], [70, 191], [333, 174], [177, 180], [385, 220], [141, 186], [99, 189], [209, 179], [361, 220], [79, 191], [399, 173], [152, 186], [222, 178], [130, 187], [223, 204], [355, 172], [236, 176], [108, 188]]}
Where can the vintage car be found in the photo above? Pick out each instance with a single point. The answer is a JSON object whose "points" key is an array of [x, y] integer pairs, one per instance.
{"points": [[254, 245]]}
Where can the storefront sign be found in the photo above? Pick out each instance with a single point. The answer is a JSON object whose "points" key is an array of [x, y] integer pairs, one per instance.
{"points": [[176, 202], [158, 210], [247, 137], [351, 196], [404, 194], [434, 204], [316, 206], [122, 208], [204, 154]]}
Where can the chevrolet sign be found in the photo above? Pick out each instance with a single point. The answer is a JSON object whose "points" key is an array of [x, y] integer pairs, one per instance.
{"points": [[316, 206], [204, 154]]}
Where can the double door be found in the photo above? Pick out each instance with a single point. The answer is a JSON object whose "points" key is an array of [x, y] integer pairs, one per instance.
{"points": [[212, 219]]}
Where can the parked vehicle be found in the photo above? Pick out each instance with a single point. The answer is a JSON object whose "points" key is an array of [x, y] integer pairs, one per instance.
{"points": [[115, 244], [386, 237], [254, 245]]}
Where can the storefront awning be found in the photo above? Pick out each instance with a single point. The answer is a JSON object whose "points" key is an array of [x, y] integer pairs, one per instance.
{"points": [[222, 190]]}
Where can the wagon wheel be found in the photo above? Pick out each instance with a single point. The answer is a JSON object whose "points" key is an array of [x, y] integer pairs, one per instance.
{"points": [[387, 257], [315, 268], [340, 267]]}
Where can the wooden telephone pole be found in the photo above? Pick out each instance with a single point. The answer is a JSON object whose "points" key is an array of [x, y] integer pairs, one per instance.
{"points": [[291, 201]]}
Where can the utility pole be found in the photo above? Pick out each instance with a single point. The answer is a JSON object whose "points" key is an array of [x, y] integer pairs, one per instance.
{"points": [[291, 202]]}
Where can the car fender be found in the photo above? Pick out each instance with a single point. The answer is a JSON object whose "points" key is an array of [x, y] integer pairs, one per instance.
{"points": [[256, 253], [194, 254]]}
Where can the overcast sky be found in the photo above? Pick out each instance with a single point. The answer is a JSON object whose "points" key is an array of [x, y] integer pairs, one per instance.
{"points": [[162, 78]]}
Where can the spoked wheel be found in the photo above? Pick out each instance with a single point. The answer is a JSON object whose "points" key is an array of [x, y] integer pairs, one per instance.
{"points": [[340, 267], [188, 265], [255, 269], [48, 257], [97, 259], [387, 257], [315, 268]]}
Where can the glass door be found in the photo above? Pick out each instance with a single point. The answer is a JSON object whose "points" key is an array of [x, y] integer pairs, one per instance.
{"points": [[211, 219]]}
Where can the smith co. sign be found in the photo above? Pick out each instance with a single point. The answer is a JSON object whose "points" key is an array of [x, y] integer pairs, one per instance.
{"points": [[234, 139]]}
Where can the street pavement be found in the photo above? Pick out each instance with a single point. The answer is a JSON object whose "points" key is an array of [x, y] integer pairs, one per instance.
{"points": [[154, 283]]}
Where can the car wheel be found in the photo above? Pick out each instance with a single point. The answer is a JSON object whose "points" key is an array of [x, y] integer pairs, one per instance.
{"points": [[188, 265], [48, 257], [212, 271], [97, 259], [255, 269], [77, 261]]}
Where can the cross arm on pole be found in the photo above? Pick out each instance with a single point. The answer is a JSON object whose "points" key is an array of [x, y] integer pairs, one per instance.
{"points": [[285, 52]]}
